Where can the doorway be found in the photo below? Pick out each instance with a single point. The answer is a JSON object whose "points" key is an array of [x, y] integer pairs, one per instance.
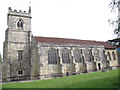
{"points": [[99, 66], [67, 73]]}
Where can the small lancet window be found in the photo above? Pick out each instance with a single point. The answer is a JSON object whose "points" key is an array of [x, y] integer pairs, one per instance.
{"points": [[108, 56], [113, 54], [20, 55], [20, 24]]}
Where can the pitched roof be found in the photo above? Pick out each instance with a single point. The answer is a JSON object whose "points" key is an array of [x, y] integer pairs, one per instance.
{"points": [[106, 45], [72, 41]]}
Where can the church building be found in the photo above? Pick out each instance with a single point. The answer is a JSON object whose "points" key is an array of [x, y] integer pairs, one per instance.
{"points": [[28, 57]]}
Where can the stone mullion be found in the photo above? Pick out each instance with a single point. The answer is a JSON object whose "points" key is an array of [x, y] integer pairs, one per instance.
{"points": [[60, 56], [72, 56], [72, 61], [82, 59], [60, 60]]}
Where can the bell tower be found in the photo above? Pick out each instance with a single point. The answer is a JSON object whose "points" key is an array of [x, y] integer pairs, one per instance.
{"points": [[18, 20], [17, 53]]}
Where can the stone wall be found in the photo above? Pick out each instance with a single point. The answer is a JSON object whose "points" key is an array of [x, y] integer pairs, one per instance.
{"points": [[112, 57], [89, 64], [35, 62], [16, 63]]}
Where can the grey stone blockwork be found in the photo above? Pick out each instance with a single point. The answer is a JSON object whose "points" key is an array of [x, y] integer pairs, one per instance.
{"points": [[17, 40], [26, 59], [89, 64]]}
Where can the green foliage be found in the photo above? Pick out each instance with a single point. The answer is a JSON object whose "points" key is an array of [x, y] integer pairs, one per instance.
{"points": [[89, 80], [114, 5], [115, 42], [116, 23]]}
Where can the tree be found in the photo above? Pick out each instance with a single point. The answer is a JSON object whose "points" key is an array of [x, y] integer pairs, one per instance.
{"points": [[115, 7]]}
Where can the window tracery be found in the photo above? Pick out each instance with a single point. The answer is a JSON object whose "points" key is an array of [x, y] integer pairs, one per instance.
{"points": [[65, 56], [52, 56]]}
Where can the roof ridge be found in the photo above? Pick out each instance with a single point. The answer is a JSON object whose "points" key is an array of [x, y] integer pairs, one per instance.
{"points": [[72, 41]]}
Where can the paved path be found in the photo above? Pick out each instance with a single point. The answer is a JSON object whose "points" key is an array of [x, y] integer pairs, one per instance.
{"points": [[23, 81], [19, 81]]}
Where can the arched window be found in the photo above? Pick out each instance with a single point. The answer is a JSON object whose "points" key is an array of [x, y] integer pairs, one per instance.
{"points": [[113, 54], [96, 54], [20, 23], [20, 72], [108, 56], [52, 56], [87, 54], [65, 56], [78, 56]]}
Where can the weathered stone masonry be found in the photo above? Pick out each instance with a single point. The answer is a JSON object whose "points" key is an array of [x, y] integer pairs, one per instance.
{"points": [[27, 57]]}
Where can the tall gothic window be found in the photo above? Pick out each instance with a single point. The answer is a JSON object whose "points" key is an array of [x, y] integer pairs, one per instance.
{"points": [[78, 56], [20, 24], [88, 55], [20, 55], [96, 54], [65, 56], [113, 54], [52, 56], [108, 56]]}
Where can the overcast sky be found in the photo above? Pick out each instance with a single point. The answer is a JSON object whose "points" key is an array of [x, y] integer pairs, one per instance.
{"points": [[78, 19]]}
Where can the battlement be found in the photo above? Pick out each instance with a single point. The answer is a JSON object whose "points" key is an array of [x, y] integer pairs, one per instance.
{"points": [[20, 12]]}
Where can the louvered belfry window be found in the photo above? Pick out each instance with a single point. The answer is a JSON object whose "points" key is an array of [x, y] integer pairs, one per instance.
{"points": [[20, 24]]}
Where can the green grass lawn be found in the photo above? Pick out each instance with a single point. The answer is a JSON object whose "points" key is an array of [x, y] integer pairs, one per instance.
{"points": [[89, 80]]}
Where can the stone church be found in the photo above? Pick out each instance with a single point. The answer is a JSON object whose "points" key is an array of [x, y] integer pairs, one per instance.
{"points": [[28, 57]]}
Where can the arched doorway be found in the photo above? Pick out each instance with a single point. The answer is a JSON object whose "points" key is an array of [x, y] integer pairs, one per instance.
{"points": [[99, 66]]}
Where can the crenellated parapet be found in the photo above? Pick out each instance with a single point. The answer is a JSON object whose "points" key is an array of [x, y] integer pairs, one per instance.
{"points": [[20, 12]]}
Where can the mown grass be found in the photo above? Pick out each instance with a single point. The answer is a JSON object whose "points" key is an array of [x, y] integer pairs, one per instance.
{"points": [[89, 80]]}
